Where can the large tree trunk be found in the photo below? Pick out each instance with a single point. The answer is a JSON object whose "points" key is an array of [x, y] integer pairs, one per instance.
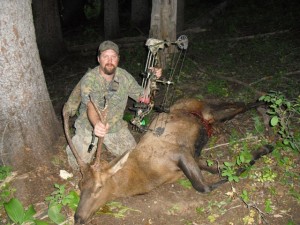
{"points": [[140, 14], [48, 30], [163, 25], [28, 125], [111, 19]]}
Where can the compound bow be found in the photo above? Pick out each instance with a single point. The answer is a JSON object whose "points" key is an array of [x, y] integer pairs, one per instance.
{"points": [[149, 82]]}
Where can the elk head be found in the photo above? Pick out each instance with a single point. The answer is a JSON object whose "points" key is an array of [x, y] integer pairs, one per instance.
{"points": [[93, 195]]}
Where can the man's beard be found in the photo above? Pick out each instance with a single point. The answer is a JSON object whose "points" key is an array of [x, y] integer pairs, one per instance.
{"points": [[109, 71]]}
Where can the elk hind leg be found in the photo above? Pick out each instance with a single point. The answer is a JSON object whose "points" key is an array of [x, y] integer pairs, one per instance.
{"points": [[193, 172]]}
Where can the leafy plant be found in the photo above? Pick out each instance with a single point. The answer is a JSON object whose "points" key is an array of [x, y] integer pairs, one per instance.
{"points": [[268, 207], [5, 191], [245, 196], [185, 183], [242, 160], [282, 111], [266, 175], [4, 172], [19, 215], [229, 171], [58, 200], [116, 209]]}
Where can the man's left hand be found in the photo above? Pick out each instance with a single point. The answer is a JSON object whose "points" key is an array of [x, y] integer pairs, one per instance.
{"points": [[157, 71]]}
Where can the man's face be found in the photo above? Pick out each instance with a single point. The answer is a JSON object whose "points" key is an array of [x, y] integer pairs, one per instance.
{"points": [[108, 61]]}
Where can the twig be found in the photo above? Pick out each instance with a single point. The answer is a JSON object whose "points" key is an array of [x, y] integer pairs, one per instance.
{"points": [[262, 79], [293, 72], [226, 144], [261, 213], [252, 36], [234, 207]]}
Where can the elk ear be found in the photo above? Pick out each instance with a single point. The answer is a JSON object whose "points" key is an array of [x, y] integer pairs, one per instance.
{"points": [[117, 164]]}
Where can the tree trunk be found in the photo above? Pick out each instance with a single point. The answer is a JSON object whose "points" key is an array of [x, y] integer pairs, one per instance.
{"points": [[48, 30], [163, 25], [140, 14], [28, 125], [111, 19]]}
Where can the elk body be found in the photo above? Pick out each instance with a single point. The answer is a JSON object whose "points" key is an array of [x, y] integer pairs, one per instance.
{"points": [[157, 159]]}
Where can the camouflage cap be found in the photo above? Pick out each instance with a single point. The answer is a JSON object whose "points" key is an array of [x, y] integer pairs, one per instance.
{"points": [[105, 45]]}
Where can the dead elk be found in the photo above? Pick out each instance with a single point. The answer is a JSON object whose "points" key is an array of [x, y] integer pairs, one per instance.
{"points": [[157, 159]]}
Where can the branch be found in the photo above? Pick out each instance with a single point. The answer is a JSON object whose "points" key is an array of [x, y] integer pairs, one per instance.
{"points": [[262, 79], [259, 93], [226, 144], [260, 212], [293, 72], [252, 36]]}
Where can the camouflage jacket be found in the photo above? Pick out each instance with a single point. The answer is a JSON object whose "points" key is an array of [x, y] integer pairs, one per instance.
{"points": [[115, 92]]}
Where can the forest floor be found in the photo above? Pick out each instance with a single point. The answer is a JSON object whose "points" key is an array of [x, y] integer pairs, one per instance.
{"points": [[230, 61]]}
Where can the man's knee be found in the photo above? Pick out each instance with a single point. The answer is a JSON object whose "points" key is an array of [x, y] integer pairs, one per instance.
{"points": [[81, 144]]}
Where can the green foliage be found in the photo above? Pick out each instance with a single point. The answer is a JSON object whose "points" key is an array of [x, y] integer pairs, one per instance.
{"points": [[282, 111], [19, 215], [54, 213], [174, 209], [185, 183], [62, 198], [245, 196], [229, 171], [6, 193], [268, 207], [210, 162], [218, 88], [58, 199], [241, 161], [200, 210], [295, 194], [5, 171], [266, 175], [116, 209]]}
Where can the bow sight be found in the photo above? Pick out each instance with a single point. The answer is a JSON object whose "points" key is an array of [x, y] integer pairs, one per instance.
{"points": [[150, 81]]}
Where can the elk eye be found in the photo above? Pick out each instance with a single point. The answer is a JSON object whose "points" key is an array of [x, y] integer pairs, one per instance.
{"points": [[98, 188]]}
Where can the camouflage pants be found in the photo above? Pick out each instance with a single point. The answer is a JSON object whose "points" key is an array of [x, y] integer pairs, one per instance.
{"points": [[117, 143]]}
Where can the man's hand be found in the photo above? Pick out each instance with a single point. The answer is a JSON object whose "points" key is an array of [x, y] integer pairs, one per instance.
{"points": [[156, 71], [144, 99], [100, 129]]}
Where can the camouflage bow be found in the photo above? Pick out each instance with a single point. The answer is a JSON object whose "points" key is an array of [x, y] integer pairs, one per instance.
{"points": [[150, 80]]}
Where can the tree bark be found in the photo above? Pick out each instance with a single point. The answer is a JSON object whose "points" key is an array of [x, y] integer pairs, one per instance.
{"points": [[111, 19], [163, 26], [48, 30], [28, 125]]}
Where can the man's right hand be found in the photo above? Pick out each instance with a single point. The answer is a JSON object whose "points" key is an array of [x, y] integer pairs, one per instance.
{"points": [[100, 129]]}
